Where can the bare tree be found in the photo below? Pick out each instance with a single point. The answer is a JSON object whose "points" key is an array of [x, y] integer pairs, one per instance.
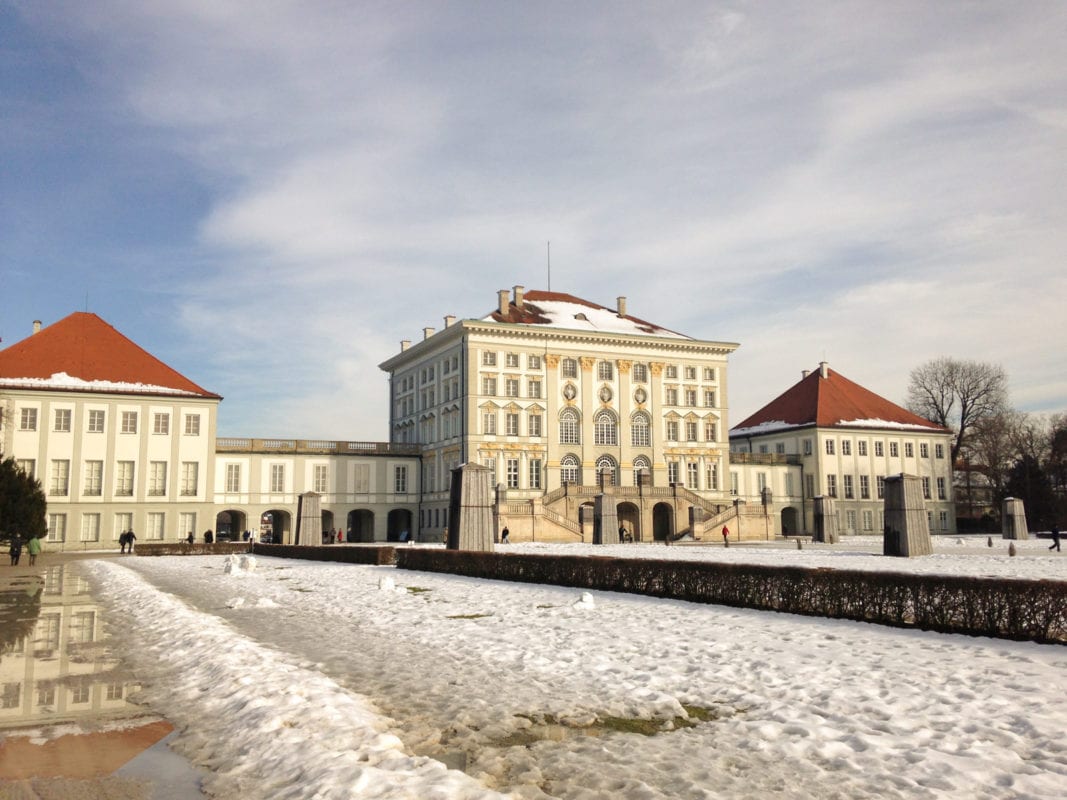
{"points": [[957, 395]]}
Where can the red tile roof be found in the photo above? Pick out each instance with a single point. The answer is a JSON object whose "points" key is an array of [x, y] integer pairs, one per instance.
{"points": [[86, 348], [832, 401]]}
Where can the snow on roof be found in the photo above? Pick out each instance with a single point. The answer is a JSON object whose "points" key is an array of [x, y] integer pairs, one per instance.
{"points": [[885, 423], [61, 380], [770, 426], [556, 310]]}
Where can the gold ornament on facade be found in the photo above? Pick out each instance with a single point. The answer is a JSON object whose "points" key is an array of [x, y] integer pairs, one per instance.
{"points": [[624, 366], [552, 360], [587, 363], [656, 368]]}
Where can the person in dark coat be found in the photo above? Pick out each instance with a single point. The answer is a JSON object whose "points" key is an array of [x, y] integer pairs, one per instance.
{"points": [[16, 549], [504, 534], [1055, 538], [124, 539]]}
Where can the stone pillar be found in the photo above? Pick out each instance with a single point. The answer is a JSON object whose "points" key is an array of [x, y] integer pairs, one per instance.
{"points": [[470, 508], [1013, 519], [605, 519], [696, 519], [309, 519], [907, 530], [825, 520], [644, 478]]}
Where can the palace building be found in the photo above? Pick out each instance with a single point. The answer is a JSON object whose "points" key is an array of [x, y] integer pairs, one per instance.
{"points": [[563, 399]]}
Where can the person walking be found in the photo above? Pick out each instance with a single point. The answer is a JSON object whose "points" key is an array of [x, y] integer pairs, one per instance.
{"points": [[124, 539], [725, 536], [1055, 538], [16, 549], [33, 547], [131, 537], [504, 534]]}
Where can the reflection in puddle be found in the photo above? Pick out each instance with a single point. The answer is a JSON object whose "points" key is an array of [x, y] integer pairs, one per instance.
{"points": [[64, 710]]}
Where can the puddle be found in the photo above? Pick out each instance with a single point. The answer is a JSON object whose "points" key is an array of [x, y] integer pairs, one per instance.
{"points": [[67, 725]]}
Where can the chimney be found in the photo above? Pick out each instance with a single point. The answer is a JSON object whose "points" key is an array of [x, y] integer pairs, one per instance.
{"points": [[519, 290], [502, 302], [404, 344], [450, 320], [427, 333], [824, 369], [620, 304], [37, 326], [804, 373]]}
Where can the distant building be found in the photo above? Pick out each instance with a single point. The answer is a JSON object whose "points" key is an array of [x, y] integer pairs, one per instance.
{"points": [[828, 436]]}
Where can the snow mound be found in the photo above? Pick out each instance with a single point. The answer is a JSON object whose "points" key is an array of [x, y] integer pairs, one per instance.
{"points": [[585, 601]]}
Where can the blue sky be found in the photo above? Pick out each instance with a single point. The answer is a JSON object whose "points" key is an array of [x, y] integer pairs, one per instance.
{"points": [[269, 196]]}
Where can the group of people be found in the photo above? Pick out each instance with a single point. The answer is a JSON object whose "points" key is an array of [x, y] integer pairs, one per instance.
{"points": [[33, 549], [126, 539]]}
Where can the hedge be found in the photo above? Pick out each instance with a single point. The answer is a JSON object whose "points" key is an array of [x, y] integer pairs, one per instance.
{"points": [[344, 555], [1002, 608], [186, 549]]}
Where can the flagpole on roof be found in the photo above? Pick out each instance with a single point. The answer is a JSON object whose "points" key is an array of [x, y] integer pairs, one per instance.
{"points": [[548, 251]]}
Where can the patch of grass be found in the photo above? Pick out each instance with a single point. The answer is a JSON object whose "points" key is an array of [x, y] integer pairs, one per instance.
{"points": [[645, 727], [468, 616], [701, 713], [546, 605], [418, 589], [300, 589]]}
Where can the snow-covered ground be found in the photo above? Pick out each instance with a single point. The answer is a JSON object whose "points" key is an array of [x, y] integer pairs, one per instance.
{"points": [[307, 679]]}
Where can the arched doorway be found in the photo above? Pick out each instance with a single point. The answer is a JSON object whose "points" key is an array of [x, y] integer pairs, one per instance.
{"points": [[360, 526], [790, 521], [230, 525], [399, 525], [327, 526], [630, 520], [278, 525], [662, 522]]}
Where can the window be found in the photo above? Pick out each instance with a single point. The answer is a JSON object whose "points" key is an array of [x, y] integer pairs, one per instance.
{"points": [[807, 447], [90, 528], [511, 387], [490, 464], [361, 478], [861, 448], [939, 451], [692, 474], [909, 450], [672, 430], [893, 450], [533, 425], [879, 481], [489, 423], [944, 520], [846, 447], [186, 523], [190, 478], [155, 522], [711, 431], [60, 483], [640, 373], [11, 696], [488, 358], [940, 488], [865, 487], [57, 528], [709, 398], [605, 430], [764, 449], [878, 450], [640, 432], [809, 485], [672, 472], [320, 478], [711, 476], [605, 371], [671, 371], [568, 427], [157, 478], [831, 485], [533, 362], [779, 448], [850, 521], [161, 423], [277, 478], [789, 484], [129, 422], [94, 478], [690, 373], [691, 431], [233, 478], [868, 521], [400, 480], [115, 691], [28, 466], [511, 359], [96, 421], [62, 420], [829, 447], [709, 373], [670, 394], [488, 386], [569, 469], [123, 523], [926, 488], [847, 486], [535, 473], [640, 463], [568, 368], [512, 473], [511, 423], [28, 419], [46, 694], [533, 388]]}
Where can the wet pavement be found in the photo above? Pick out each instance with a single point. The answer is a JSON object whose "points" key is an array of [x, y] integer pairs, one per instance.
{"points": [[70, 726]]}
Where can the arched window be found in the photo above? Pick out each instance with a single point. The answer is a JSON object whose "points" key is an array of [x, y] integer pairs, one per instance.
{"points": [[640, 431], [569, 427], [640, 463], [570, 469], [568, 368], [608, 477], [605, 429]]}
